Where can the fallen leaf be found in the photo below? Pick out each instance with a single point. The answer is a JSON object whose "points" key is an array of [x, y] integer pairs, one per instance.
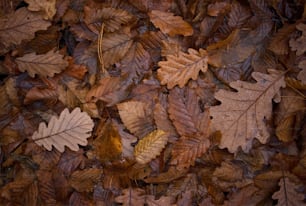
{"points": [[241, 116], [302, 74], [47, 6], [177, 70], [21, 25], [85, 180], [45, 65], [299, 44], [70, 129], [150, 146], [170, 24], [131, 196]]}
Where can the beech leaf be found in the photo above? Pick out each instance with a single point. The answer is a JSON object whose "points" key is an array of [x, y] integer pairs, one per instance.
{"points": [[150, 146], [21, 25], [170, 24], [70, 129], [241, 116], [177, 70], [45, 65]]}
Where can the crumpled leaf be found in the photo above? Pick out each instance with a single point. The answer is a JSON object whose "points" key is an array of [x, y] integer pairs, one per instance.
{"points": [[150, 146], [20, 25], [170, 24], [241, 116], [137, 117], [84, 180], [47, 6], [177, 70], [299, 44], [45, 65], [70, 129], [287, 194]]}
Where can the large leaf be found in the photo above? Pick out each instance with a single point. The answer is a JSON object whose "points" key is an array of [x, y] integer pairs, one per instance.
{"points": [[177, 70], [150, 146], [241, 116], [21, 25], [70, 129], [170, 24], [45, 65]]}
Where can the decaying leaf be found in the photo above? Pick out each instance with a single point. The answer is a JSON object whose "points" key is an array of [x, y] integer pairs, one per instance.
{"points": [[177, 70], [45, 65], [241, 116], [47, 6], [70, 129], [84, 180], [150, 146], [288, 195], [20, 25], [170, 24]]}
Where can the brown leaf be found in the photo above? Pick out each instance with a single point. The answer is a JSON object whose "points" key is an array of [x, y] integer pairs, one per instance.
{"points": [[47, 6], [70, 129], [131, 196], [70, 161], [36, 94], [241, 115], [294, 83], [299, 44], [114, 47], [218, 8], [45, 65], [228, 172], [85, 180], [137, 117], [150, 146], [302, 75], [21, 25], [79, 199], [288, 195], [170, 24], [177, 70]]}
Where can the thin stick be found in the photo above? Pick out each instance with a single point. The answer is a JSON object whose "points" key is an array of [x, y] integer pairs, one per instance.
{"points": [[100, 55]]}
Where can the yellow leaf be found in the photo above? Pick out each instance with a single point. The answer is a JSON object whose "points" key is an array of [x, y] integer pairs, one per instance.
{"points": [[150, 146]]}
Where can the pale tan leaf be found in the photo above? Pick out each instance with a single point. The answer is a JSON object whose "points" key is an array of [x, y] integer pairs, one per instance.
{"points": [[45, 65], [299, 44], [241, 116], [150, 146], [21, 25], [111, 17], [47, 6], [288, 195], [137, 117], [114, 47], [70, 129], [170, 24], [132, 196], [177, 70], [85, 180]]}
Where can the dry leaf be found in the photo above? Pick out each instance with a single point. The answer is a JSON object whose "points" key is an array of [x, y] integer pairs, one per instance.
{"points": [[294, 83], [150, 146], [21, 25], [288, 195], [299, 44], [70, 129], [131, 196], [241, 115], [137, 117], [177, 70], [302, 75], [45, 65], [170, 24], [85, 180], [47, 6]]}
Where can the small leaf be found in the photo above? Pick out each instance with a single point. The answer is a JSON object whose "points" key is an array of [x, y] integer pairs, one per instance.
{"points": [[150, 146], [45, 65], [84, 180], [70, 129], [170, 24], [177, 70]]}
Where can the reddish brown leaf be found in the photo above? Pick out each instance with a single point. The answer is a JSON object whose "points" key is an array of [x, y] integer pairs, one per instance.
{"points": [[85, 180]]}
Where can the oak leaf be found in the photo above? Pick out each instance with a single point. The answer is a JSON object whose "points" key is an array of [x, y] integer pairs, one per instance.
{"points": [[177, 70], [21, 25], [241, 115], [287, 194], [150, 146], [45, 65], [47, 6], [137, 117], [170, 24], [70, 129]]}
